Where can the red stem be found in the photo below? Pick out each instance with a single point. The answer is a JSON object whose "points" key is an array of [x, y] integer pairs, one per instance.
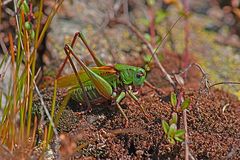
{"points": [[152, 25], [180, 98]]}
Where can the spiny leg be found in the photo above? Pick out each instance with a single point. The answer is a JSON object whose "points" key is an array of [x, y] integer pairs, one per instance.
{"points": [[67, 50], [98, 62], [65, 60], [118, 100], [136, 100]]}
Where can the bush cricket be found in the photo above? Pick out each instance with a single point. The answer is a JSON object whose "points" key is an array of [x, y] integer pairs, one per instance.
{"points": [[104, 82]]}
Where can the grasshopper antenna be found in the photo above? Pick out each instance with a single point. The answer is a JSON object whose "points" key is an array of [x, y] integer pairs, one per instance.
{"points": [[163, 40]]}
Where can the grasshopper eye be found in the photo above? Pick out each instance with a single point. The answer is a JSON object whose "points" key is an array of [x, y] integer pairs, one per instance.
{"points": [[139, 74], [139, 77]]}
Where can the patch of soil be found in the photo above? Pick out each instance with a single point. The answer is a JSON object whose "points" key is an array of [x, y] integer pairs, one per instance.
{"points": [[213, 131], [213, 126]]}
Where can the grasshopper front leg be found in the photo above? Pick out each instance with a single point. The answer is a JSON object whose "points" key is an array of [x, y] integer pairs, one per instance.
{"points": [[118, 100]]}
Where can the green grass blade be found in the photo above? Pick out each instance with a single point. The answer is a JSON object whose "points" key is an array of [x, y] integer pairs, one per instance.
{"points": [[52, 110]]}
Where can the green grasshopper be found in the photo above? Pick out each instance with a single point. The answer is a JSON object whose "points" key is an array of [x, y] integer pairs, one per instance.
{"points": [[93, 85]]}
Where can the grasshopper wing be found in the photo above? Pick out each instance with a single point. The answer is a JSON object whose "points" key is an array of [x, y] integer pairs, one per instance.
{"points": [[71, 80]]}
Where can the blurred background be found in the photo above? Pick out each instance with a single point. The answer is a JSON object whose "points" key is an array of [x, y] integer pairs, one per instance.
{"points": [[212, 28]]}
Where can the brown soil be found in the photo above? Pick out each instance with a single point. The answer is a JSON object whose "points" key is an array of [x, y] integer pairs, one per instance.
{"points": [[213, 125]]}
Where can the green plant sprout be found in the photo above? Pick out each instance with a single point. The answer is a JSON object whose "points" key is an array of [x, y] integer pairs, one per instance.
{"points": [[170, 129], [174, 102], [185, 104], [173, 99], [171, 132]]}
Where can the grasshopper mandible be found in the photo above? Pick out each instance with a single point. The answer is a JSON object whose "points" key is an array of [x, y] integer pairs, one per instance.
{"points": [[101, 83]]}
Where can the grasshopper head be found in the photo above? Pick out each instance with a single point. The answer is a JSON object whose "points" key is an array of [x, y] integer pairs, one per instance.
{"points": [[139, 77], [131, 74]]}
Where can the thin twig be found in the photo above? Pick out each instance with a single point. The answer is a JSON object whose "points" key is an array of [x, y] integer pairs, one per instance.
{"points": [[49, 116], [186, 134], [3, 69], [204, 74], [2, 44], [37, 74], [6, 2], [220, 83], [191, 65]]}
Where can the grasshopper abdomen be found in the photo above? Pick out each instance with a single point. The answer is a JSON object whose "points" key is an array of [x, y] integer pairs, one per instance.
{"points": [[92, 93]]}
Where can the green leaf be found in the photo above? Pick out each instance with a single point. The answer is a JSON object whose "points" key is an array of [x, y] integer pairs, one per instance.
{"points": [[174, 118], [160, 15], [172, 130], [28, 25], [165, 126], [147, 58], [32, 35], [185, 104], [147, 36], [178, 139], [144, 21], [179, 133], [173, 99], [171, 140], [150, 2], [25, 7]]}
